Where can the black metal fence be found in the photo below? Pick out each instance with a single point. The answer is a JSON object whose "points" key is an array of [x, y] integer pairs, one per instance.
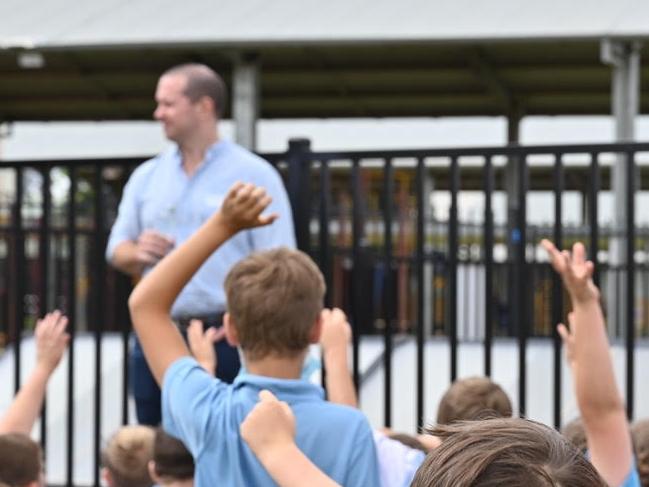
{"points": [[404, 238]]}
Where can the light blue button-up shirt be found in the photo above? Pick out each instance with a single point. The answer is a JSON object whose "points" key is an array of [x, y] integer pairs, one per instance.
{"points": [[161, 196]]}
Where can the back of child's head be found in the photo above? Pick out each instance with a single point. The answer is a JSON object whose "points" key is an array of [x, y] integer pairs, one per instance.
{"points": [[127, 455], [473, 398], [575, 432], [640, 433], [504, 451], [171, 459], [21, 461], [274, 298]]}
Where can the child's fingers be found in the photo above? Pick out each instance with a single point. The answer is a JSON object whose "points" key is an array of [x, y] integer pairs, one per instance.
{"points": [[215, 334], [563, 333], [194, 331], [266, 395]]}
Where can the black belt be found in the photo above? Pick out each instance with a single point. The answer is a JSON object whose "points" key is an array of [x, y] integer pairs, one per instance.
{"points": [[209, 320]]}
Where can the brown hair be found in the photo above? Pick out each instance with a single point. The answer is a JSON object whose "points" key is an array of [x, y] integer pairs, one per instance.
{"points": [[473, 398], [127, 455], [274, 298], [640, 434], [504, 451], [172, 460], [202, 81], [20, 459], [576, 434]]}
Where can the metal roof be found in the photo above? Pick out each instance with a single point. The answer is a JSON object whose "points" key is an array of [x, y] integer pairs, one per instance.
{"points": [[342, 58]]}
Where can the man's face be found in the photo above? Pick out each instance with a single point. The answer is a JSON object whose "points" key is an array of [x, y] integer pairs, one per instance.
{"points": [[175, 110]]}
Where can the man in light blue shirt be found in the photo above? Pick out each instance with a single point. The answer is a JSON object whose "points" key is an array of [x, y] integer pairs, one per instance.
{"points": [[168, 197]]}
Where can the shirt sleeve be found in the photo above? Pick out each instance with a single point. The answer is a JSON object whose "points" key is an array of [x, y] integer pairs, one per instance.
{"points": [[280, 233], [127, 224], [188, 394], [363, 465]]}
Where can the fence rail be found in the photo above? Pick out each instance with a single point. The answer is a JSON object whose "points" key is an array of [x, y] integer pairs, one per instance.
{"points": [[409, 241]]}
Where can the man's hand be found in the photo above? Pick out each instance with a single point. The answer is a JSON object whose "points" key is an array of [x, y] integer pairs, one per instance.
{"points": [[336, 331], [576, 272], [202, 343], [151, 246], [270, 426], [243, 206], [51, 340]]}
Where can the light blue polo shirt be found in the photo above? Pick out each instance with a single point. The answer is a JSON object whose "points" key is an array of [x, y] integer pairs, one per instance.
{"points": [[205, 413], [159, 195]]}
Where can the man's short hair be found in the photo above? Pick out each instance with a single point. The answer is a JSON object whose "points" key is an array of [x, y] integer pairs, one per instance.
{"points": [[504, 451], [473, 398], [274, 298], [21, 459], [202, 81], [127, 456], [640, 434], [172, 459]]}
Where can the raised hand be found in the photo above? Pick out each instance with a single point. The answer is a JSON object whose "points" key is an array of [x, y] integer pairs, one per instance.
{"points": [[202, 343], [269, 426], [51, 340], [567, 338], [243, 206], [575, 270], [336, 331]]}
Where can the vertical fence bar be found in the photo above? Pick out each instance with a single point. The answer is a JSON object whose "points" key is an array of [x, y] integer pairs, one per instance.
{"points": [[357, 229], [421, 219], [99, 282], [325, 211], [71, 312], [19, 276], [593, 213], [488, 262], [44, 258], [630, 281], [299, 185], [388, 288], [453, 242], [520, 294], [557, 288]]}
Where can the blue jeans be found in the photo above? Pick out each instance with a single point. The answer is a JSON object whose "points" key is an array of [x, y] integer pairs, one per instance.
{"points": [[145, 390]]}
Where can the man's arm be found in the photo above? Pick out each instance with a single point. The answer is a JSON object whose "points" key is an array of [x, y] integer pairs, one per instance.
{"points": [[269, 431], [334, 340], [600, 404], [151, 301], [51, 341]]}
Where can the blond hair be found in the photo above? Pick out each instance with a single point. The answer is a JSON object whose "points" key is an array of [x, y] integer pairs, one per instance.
{"points": [[127, 455], [640, 434], [274, 298]]}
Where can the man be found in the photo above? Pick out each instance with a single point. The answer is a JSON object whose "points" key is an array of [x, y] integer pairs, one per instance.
{"points": [[167, 199]]}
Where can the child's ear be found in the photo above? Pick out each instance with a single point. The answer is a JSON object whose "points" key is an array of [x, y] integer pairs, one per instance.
{"points": [[108, 478], [152, 473], [231, 334], [316, 330]]}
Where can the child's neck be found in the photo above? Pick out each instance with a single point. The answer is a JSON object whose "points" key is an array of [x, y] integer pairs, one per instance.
{"points": [[277, 366], [178, 483]]}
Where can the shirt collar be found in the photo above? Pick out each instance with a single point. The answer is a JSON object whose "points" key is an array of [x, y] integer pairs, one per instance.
{"points": [[285, 389]]}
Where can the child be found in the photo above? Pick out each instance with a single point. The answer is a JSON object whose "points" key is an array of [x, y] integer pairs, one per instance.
{"points": [[51, 342], [599, 401], [473, 398], [274, 305], [640, 432], [172, 464], [126, 457], [21, 461], [504, 451]]}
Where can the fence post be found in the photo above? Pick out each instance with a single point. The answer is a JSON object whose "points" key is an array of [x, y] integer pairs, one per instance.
{"points": [[299, 189]]}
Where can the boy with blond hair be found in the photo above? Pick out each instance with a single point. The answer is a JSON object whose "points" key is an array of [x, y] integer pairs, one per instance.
{"points": [[126, 457], [275, 303]]}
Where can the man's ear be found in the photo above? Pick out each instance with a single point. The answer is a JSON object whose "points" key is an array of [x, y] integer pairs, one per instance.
{"points": [[231, 334], [316, 330]]}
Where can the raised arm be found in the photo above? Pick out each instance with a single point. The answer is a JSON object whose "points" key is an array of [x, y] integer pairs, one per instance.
{"points": [[600, 403], [151, 301], [334, 340], [269, 431], [51, 341]]}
